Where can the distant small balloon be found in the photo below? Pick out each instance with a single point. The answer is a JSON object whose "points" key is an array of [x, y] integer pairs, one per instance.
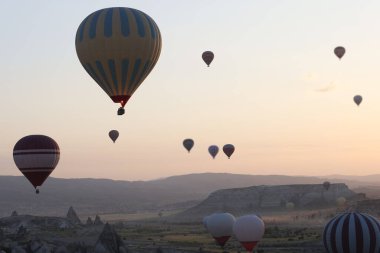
{"points": [[188, 144], [341, 201], [208, 57], [290, 205], [326, 185], [228, 149], [358, 99], [213, 150], [339, 52], [113, 134]]}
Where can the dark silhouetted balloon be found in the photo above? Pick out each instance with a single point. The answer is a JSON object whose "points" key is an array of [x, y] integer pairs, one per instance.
{"points": [[188, 144], [118, 47], [228, 149], [326, 185], [352, 232], [113, 134], [249, 230], [358, 99], [339, 52], [213, 150], [208, 57], [36, 156]]}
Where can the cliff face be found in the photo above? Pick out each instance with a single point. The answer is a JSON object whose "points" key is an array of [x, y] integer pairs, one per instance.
{"points": [[268, 198], [370, 206]]}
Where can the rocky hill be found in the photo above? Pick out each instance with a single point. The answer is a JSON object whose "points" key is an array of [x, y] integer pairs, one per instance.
{"points": [[263, 199], [91, 196]]}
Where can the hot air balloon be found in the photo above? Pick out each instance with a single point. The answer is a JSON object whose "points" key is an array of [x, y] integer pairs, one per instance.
{"points": [[207, 57], [220, 227], [118, 47], [341, 201], [339, 52], [290, 205], [352, 232], [113, 134], [249, 230], [213, 150], [358, 99], [204, 221], [326, 185], [228, 149], [36, 156], [188, 144]]}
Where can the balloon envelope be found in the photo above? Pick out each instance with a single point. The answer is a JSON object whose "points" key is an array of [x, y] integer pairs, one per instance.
{"points": [[249, 230], [290, 205], [204, 221], [358, 99], [339, 52], [118, 47], [228, 149], [341, 201], [188, 144], [113, 134], [36, 156], [326, 185], [213, 150], [208, 57], [220, 226], [352, 232]]}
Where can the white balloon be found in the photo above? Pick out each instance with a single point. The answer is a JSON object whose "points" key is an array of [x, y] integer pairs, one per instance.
{"points": [[249, 229], [220, 226]]}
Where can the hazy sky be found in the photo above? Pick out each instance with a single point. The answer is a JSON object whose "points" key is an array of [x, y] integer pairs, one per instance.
{"points": [[275, 89]]}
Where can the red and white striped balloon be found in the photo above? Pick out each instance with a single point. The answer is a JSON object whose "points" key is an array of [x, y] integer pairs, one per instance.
{"points": [[36, 156]]}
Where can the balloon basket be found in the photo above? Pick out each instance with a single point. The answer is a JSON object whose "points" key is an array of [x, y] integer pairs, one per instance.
{"points": [[120, 111]]}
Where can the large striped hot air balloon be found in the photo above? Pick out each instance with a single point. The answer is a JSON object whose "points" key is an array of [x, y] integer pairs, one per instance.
{"points": [[352, 233], [36, 156], [118, 47]]}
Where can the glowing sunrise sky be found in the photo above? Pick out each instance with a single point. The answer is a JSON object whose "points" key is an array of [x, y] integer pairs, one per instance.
{"points": [[275, 89]]}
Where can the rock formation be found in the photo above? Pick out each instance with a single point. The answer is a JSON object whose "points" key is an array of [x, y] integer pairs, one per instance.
{"points": [[89, 222], [72, 216], [241, 201], [98, 221], [109, 241]]}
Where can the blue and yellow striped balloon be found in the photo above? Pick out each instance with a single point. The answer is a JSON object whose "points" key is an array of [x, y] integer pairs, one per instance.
{"points": [[118, 47]]}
